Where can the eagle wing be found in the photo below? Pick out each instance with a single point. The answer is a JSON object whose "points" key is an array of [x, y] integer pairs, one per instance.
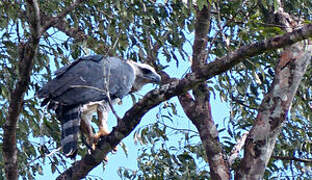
{"points": [[76, 83]]}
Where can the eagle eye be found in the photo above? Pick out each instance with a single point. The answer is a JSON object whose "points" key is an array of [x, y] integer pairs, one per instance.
{"points": [[146, 71]]}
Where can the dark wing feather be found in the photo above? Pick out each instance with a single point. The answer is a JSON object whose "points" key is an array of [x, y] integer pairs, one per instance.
{"points": [[89, 71]]}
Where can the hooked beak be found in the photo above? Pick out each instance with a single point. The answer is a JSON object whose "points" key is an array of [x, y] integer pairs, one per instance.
{"points": [[157, 79], [153, 78]]}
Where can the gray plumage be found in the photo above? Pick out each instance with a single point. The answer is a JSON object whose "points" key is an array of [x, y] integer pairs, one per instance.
{"points": [[77, 84]]}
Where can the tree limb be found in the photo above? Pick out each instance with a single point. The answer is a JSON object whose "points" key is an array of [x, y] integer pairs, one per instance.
{"points": [[55, 20], [177, 87], [275, 105], [237, 148], [35, 19], [224, 63], [26, 51], [78, 34], [292, 159], [202, 117], [273, 111], [64, 26]]}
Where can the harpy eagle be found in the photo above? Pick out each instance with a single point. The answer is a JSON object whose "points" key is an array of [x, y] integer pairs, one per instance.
{"points": [[84, 87]]}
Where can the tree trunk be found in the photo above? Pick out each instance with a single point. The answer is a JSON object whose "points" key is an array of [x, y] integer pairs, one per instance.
{"points": [[275, 105]]}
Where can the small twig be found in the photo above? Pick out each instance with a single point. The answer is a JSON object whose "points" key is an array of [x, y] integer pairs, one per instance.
{"points": [[177, 129], [52, 162], [53, 152], [90, 87], [241, 103], [106, 79], [237, 148], [18, 32], [292, 159], [115, 43], [112, 109], [45, 155]]}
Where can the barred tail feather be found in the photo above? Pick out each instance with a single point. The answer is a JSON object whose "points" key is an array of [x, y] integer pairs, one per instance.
{"points": [[70, 122]]}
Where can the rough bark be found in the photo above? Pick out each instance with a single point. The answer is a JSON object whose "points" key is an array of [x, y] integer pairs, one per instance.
{"points": [[276, 103], [199, 112], [273, 111], [198, 109], [177, 87], [27, 51]]}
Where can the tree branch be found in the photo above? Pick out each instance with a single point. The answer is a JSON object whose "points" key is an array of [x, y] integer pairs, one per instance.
{"points": [[202, 117], [177, 87], [273, 111], [275, 105], [292, 159], [26, 51], [64, 26], [237, 148], [55, 20], [78, 34], [35, 19], [224, 63]]}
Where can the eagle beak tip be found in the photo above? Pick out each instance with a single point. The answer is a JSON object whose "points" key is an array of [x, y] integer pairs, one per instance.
{"points": [[157, 79]]}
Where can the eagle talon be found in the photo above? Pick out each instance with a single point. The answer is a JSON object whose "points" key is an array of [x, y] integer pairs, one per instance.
{"points": [[106, 159], [114, 150], [87, 142]]}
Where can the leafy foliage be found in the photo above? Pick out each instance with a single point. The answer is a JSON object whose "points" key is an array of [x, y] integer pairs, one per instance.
{"points": [[134, 29], [161, 159]]}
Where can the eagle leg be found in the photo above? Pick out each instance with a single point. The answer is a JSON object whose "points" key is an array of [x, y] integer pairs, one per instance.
{"points": [[88, 131], [102, 117], [102, 113]]}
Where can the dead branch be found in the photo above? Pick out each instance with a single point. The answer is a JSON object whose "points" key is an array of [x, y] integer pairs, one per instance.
{"points": [[237, 148]]}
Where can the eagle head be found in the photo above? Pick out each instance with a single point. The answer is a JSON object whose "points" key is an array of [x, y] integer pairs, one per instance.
{"points": [[144, 74]]}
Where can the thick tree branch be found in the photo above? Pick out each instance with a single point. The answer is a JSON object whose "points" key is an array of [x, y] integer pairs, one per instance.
{"points": [[224, 63], [202, 117], [201, 36], [273, 110], [78, 34], [275, 104], [62, 25], [177, 87], [27, 51], [34, 19]]}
